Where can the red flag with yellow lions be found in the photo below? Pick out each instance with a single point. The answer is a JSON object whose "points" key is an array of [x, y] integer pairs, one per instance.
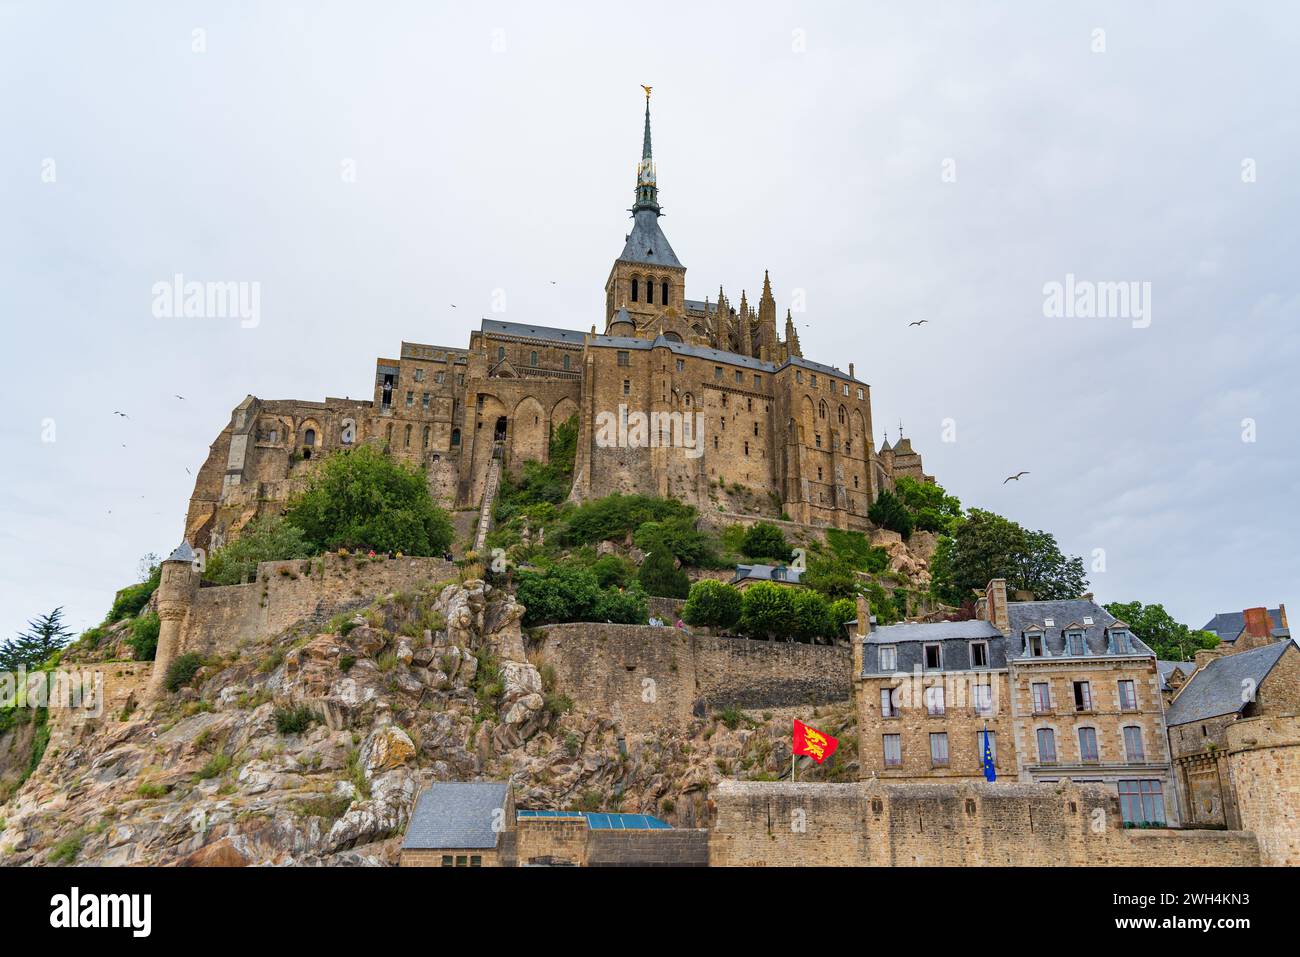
{"points": [[817, 745]]}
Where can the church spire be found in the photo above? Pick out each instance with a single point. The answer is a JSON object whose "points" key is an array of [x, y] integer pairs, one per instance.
{"points": [[647, 192]]}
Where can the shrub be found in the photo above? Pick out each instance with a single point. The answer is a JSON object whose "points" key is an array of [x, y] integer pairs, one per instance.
{"points": [[888, 511], [266, 539], [216, 766], [767, 610], [611, 570], [360, 497], [151, 789], [660, 576], [810, 615], [66, 851], [616, 515], [626, 606], [765, 541], [680, 538], [144, 636], [712, 604], [131, 599], [294, 720], [182, 670], [330, 806], [857, 551]]}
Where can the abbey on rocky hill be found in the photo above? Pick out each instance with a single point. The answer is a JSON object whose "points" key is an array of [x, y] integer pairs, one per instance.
{"points": [[700, 400]]}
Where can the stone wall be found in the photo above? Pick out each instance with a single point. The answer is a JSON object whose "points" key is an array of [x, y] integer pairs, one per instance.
{"points": [[1264, 756], [646, 677], [674, 848], [284, 592], [948, 824]]}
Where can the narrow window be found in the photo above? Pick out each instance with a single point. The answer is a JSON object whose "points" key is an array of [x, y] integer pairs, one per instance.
{"points": [[681, 365], [934, 700], [426, 437], [717, 373], [627, 386], [983, 699], [309, 438], [406, 441], [532, 359], [1082, 696], [650, 291], [1074, 640], [933, 655], [1035, 646], [1088, 745], [664, 297], [939, 749], [636, 285], [419, 375], [1133, 744], [624, 358], [758, 382], [455, 436], [893, 750], [888, 658], [501, 353], [1042, 698], [979, 654], [1046, 746], [424, 400], [740, 377], [755, 430], [410, 398], [887, 707], [746, 448], [1127, 696], [440, 378]]}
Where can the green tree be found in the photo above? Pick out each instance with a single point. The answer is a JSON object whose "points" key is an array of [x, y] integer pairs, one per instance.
{"points": [[764, 540], [611, 570], [266, 539], [932, 508], [888, 511], [144, 636], [678, 536], [660, 576], [614, 516], [622, 606], [840, 612], [1171, 640], [361, 498], [45, 635], [832, 575], [809, 615], [984, 546], [712, 604], [562, 593], [767, 610]]}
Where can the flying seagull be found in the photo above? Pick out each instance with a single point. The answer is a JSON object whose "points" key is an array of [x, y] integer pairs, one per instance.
{"points": [[181, 397], [1016, 477], [919, 322], [122, 414]]}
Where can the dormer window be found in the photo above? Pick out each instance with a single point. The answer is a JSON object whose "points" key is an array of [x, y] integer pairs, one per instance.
{"points": [[888, 658], [1034, 644], [1119, 641], [979, 654], [1074, 644], [934, 656]]}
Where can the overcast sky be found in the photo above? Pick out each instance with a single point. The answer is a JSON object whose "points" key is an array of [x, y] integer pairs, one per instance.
{"points": [[895, 162]]}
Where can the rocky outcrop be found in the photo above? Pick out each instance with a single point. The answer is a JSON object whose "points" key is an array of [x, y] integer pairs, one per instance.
{"points": [[311, 746]]}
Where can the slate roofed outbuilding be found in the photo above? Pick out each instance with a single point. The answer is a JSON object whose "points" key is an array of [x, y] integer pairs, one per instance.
{"points": [[1218, 688], [457, 814], [1229, 625], [787, 574], [525, 331], [1167, 669]]}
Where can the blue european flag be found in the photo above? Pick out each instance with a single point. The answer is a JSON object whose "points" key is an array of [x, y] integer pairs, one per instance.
{"points": [[990, 773]]}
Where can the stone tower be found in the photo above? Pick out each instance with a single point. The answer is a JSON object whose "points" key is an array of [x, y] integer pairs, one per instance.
{"points": [[648, 280], [176, 589]]}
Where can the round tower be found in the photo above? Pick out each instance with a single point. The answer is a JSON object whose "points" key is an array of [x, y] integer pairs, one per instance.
{"points": [[176, 589]]}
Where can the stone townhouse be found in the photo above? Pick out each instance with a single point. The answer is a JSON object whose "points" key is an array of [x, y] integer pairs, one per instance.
{"points": [[1066, 691], [750, 422], [1256, 675]]}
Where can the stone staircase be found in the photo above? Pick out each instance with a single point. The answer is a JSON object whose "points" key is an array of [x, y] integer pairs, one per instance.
{"points": [[489, 497]]}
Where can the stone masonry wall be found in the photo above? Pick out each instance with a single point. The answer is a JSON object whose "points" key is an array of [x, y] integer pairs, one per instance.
{"points": [[646, 677], [287, 591], [876, 824], [1264, 755]]}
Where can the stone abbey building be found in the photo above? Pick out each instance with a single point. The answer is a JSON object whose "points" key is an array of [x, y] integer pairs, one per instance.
{"points": [[708, 401]]}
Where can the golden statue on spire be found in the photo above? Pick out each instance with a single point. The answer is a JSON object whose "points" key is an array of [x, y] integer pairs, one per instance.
{"points": [[647, 90]]}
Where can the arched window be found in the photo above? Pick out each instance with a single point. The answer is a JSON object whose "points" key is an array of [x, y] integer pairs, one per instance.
{"points": [[843, 415], [309, 438], [426, 437], [821, 409], [636, 288], [566, 360], [501, 353], [664, 298], [532, 359], [650, 291], [388, 434], [455, 437], [688, 400], [406, 440]]}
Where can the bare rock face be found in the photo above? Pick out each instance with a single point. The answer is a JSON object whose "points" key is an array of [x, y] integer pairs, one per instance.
{"points": [[388, 747]]}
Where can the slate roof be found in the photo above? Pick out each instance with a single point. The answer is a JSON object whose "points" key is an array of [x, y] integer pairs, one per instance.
{"points": [[182, 553], [764, 573], [646, 243], [1060, 614], [455, 814], [525, 331], [1229, 625], [954, 637], [1217, 689], [1167, 668]]}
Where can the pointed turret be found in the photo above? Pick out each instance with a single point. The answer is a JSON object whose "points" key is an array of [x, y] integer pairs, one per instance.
{"points": [[792, 337], [768, 344]]}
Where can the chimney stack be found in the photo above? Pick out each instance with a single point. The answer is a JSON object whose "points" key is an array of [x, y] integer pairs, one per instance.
{"points": [[995, 605], [1258, 631]]}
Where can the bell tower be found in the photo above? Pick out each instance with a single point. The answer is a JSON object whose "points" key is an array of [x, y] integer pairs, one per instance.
{"points": [[647, 280]]}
